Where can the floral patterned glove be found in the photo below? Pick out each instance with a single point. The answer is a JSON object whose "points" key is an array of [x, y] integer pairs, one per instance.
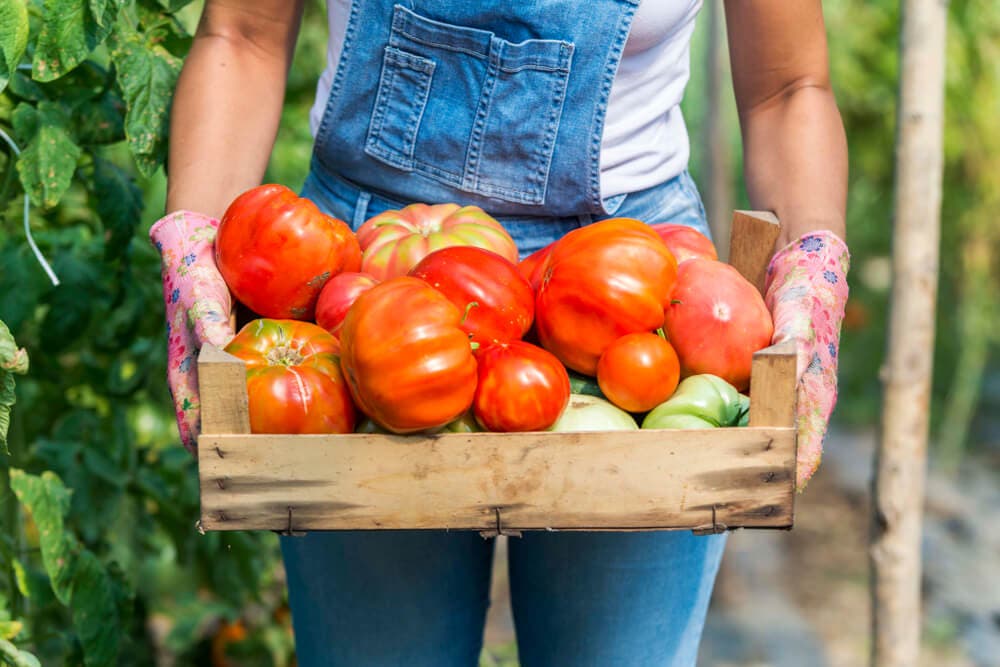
{"points": [[199, 308], [806, 291]]}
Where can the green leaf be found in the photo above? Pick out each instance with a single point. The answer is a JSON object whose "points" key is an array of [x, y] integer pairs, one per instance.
{"points": [[118, 202], [146, 75], [71, 304], [13, 37], [70, 31], [48, 160], [100, 120], [12, 360], [11, 655], [10, 629], [78, 579]]}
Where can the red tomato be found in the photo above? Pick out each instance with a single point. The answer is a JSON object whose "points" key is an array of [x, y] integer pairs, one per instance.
{"points": [[601, 282], [504, 305], [533, 266], [394, 241], [407, 361], [686, 242], [294, 383], [521, 387], [716, 320], [276, 250], [638, 371], [337, 296]]}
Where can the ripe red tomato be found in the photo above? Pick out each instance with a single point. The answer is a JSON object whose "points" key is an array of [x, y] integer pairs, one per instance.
{"points": [[276, 250], [394, 241], [638, 371], [504, 305], [601, 282], [407, 361], [716, 320], [533, 266], [294, 383], [337, 296], [521, 387], [686, 242]]}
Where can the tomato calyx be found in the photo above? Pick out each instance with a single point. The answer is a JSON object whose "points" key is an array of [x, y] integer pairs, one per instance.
{"points": [[284, 354]]}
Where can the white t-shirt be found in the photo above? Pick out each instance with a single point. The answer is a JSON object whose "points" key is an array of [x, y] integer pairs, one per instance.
{"points": [[645, 139]]}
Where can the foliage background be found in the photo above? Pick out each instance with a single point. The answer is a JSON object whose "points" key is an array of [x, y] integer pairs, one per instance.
{"points": [[100, 559]]}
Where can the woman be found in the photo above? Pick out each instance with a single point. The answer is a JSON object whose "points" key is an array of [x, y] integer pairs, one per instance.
{"points": [[549, 115]]}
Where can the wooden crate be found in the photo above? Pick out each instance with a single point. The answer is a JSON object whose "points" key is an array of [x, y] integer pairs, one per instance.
{"points": [[502, 483]]}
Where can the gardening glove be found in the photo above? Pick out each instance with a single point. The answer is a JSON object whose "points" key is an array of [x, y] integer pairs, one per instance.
{"points": [[199, 308], [806, 291]]}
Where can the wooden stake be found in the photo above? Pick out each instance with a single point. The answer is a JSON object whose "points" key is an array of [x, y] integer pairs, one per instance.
{"points": [[901, 456]]}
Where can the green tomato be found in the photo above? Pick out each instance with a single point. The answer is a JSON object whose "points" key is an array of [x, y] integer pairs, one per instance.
{"points": [[592, 413], [706, 397]]}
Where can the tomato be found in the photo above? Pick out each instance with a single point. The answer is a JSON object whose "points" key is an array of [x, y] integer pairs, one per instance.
{"points": [[407, 361], [394, 241], [686, 242], [498, 303], [593, 413], [294, 383], [601, 282], [701, 401], [276, 250], [716, 320], [638, 371], [337, 296], [533, 266], [521, 387]]}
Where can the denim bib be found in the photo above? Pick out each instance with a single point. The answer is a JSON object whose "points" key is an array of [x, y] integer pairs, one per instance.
{"points": [[495, 103]]}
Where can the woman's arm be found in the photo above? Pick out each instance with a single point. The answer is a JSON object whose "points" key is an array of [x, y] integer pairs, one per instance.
{"points": [[795, 151], [228, 101]]}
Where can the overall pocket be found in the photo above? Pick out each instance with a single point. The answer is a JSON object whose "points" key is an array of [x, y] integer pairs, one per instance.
{"points": [[468, 108]]}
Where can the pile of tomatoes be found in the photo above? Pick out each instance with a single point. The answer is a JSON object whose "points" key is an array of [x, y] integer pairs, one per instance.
{"points": [[425, 317]]}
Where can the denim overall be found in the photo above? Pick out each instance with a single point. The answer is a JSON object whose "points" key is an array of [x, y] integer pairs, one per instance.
{"points": [[501, 104]]}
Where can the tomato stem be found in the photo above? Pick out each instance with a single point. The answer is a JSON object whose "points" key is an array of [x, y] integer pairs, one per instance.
{"points": [[468, 308], [661, 333]]}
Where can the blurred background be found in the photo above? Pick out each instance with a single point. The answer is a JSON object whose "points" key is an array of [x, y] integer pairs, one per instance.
{"points": [[100, 559]]}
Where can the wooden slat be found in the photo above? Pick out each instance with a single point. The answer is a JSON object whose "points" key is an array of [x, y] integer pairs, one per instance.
{"points": [[500, 481], [751, 244], [222, 385], [773, 386]]}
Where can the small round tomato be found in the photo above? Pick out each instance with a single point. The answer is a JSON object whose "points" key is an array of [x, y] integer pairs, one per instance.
{"points": [[294, 383], [521, 387], [638, 371], [498, 303], [394, 241], [337, 296], [276, 250]]}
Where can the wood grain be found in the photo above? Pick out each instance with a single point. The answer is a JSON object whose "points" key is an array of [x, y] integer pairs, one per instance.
{"points": [[751, 244], [222, 385], [773, 385], [500, 481]]}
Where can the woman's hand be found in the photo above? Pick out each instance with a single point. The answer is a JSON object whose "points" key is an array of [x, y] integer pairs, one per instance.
{"points": [[199, 308], [806, 290]]}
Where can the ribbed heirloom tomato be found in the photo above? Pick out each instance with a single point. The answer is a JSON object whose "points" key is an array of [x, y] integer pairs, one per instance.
{"points": [[337, 296], [394, 241], [685, 242], [276, 250], [408, 363], [294, 383], [498, 302], [601, 282]]}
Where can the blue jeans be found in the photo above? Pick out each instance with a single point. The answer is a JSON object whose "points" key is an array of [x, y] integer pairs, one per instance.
{"points": [[419, 598]]}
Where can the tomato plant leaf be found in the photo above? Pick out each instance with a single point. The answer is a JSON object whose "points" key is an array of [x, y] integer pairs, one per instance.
{"points": [[117, 199], [12, 360], [100, 120], [146, 75], [48, 160], [78, 579], [70, 31], [11, 655], [13, 37], [71, 304]]}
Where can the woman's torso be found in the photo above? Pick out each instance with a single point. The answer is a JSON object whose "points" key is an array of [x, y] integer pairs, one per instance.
{"points": [[645, 140]]}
